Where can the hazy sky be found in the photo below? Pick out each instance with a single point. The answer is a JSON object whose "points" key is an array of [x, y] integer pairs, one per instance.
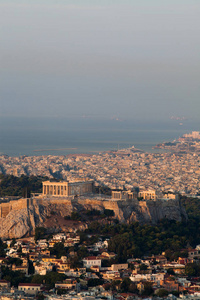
{"points": [[129, 59]]}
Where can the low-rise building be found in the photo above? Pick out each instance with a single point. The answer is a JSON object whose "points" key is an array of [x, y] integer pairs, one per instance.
{"points": [[4, 283], [117, 267], [148, 277], [29, 288], [67, 284], [91, 261]]}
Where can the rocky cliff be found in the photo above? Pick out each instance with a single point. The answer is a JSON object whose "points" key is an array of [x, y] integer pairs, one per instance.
{"points": [[20, 218]]}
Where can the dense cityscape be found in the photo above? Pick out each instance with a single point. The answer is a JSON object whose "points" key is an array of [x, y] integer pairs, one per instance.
{"points": [[41, 269], [95, 256], [177, 171]]}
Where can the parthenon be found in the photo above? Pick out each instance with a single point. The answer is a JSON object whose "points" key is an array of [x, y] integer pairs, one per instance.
{"points": [[66, 188]]}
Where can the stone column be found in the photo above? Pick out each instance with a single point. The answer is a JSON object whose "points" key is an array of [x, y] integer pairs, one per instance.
{"points": [[51, 189], [61, 190]]}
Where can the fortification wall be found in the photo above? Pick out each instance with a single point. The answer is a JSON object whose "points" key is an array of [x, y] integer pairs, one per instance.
{"points": [[19, 218], [125, 210], [7, 207]]}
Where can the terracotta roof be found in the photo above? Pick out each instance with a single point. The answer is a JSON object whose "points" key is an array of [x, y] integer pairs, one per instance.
{"points": [[91, 258], [29, 284]]}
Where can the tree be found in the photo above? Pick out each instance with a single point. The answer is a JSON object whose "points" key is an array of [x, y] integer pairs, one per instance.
{"points": [[50, 278], [59, 250], [19, 250], [109, 212], [14, 261], [94, 282], [31, 269], [148, 290], [74, 262], [61, 291], [15, 277], [192, 269], [12, 244], [20, 186], [40, 233], [3, 246], [40, 296], [133, 288], [143, 267], [170, 271], [161, 293], [124, 287], [75, 216]]}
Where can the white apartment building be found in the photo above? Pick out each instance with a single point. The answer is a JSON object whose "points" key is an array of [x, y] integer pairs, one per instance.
{"points": [[29, 288], [91, 261], [149, 277]]}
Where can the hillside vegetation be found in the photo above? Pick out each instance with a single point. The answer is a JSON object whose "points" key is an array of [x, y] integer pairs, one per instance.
{"points": [[20, 186]]}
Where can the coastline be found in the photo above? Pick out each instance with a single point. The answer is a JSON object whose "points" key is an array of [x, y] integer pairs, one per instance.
{"points": [[64, 137]]}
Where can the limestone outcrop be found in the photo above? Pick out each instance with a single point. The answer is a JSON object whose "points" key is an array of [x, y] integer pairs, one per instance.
{"points": [[22, 216]]}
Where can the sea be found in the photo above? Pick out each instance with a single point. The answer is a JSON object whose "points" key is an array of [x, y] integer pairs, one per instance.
{"points": [[63, 136]]}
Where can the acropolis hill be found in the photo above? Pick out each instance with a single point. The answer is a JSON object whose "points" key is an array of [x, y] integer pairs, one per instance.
{"points": [[177, 171], [20, 217]]}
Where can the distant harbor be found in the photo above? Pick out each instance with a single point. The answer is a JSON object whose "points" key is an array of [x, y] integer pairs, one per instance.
{"points": [[187, 143]]}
